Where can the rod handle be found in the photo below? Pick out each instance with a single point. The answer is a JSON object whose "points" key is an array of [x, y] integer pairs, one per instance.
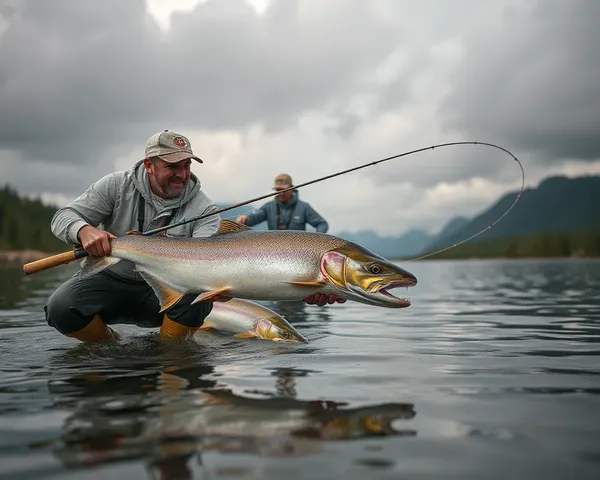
{"points": [[53, 261]]}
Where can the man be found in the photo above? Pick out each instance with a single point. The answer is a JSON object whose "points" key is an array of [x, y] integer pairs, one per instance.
{"points": [[159, 190], [285, 211]]}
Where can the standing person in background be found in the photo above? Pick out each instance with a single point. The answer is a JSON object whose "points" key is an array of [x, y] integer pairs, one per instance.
{"points": [[286, 211]]}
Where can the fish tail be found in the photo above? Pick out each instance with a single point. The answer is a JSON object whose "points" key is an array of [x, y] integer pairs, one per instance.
{"points": [[92, 265]]}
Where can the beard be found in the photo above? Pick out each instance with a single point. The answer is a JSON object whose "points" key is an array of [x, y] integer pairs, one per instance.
{"points": [[169, 190]]}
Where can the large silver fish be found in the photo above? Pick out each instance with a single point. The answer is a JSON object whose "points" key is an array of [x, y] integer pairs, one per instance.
{"points": [[246, 319], [257, 265]]}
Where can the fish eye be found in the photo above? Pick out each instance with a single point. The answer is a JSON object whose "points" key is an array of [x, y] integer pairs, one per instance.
{"points": [[375, 269]]}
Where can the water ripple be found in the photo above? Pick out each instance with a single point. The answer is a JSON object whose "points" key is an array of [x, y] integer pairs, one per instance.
{"points": [[491, 373]]}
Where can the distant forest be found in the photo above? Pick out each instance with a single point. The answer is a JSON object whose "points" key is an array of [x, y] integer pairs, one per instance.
{"points": [[25, 224], [541, 245]]}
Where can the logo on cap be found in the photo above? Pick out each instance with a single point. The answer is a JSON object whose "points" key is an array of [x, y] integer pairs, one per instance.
{"points": [[179, 142]]}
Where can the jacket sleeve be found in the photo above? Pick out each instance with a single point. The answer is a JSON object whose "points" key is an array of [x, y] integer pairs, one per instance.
{"points": [[207, 226], [316, 220], [92, 207], [257, 216]]}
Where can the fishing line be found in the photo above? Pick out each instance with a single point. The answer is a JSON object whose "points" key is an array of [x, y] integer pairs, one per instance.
{"points": [[353, 169], [517, 198], [412, 152], [67, 257]]}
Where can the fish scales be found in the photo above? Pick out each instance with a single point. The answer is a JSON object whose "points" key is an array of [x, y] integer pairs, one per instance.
{"points": [[284, 256], [258, 265]]}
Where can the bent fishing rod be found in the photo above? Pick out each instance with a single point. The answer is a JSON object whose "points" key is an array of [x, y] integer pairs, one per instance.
{"points": [[68, 257]]}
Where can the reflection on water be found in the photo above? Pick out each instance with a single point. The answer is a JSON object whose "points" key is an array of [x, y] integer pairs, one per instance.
{"points": [[21, 295], [499, 360], [169, 415]]}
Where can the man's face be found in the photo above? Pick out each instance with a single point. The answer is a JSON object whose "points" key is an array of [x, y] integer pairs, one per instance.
{"points": [[284, 196], [168, 180]]}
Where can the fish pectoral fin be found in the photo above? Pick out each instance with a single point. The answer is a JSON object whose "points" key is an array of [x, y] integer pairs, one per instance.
{"points": [[133, 232], [92, 265], [167, 295], [315, 283], [246, 335], [229, 226], [208, 295]]}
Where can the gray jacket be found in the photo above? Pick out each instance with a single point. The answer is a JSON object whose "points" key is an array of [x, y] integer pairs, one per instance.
{"points": [[112, 205], [301, 212]]}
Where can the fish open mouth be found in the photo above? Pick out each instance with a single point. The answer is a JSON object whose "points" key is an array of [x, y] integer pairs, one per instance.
{"points": [[385, 290]]}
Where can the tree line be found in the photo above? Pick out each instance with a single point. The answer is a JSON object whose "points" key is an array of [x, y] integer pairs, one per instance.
{"points": [[25, 224], [540, 245]]}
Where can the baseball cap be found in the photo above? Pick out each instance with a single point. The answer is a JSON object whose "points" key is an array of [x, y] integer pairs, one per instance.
{"points": [[170, 146], [283, 180]]}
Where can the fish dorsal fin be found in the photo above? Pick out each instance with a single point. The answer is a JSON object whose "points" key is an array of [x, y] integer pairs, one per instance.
{"points": [[229, 226]]}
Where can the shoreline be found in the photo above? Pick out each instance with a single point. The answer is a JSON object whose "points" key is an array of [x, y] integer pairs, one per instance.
{"points": [[8, 257]]}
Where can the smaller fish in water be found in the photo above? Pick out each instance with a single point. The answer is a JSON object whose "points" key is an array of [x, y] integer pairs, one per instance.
{"points": [[246, 319]]}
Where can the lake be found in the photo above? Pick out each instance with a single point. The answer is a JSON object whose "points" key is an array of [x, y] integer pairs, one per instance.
{"points": [[493, 372]]}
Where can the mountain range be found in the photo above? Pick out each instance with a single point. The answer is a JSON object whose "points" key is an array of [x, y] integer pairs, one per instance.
{"points": [[556, 205], [411, 241]]}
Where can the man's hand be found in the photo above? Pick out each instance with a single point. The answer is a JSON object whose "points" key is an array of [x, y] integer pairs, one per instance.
{"points": [[242, 219], [321, 299], [95, 241]]}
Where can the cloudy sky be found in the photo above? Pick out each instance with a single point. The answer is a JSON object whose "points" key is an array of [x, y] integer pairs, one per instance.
{"points": [[307, 87]]}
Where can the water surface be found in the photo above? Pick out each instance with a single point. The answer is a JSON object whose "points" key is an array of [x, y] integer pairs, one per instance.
{"points": [[493, 372]]}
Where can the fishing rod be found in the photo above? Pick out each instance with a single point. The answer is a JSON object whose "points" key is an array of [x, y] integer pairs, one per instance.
{"points": [[67, 257]]}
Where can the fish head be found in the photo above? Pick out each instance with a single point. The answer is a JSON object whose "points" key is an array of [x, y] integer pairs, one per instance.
{"points": [[276, 329], [365, 276], [369, 421]]}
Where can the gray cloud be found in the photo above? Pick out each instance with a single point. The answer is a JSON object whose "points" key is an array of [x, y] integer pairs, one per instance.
{"points": [[68, 81], [449, 164], [79, 78], [84, 83], [532, 81], [36, 177]]}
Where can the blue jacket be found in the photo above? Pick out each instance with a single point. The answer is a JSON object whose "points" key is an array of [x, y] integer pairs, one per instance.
{"points": [[303, 213]]}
